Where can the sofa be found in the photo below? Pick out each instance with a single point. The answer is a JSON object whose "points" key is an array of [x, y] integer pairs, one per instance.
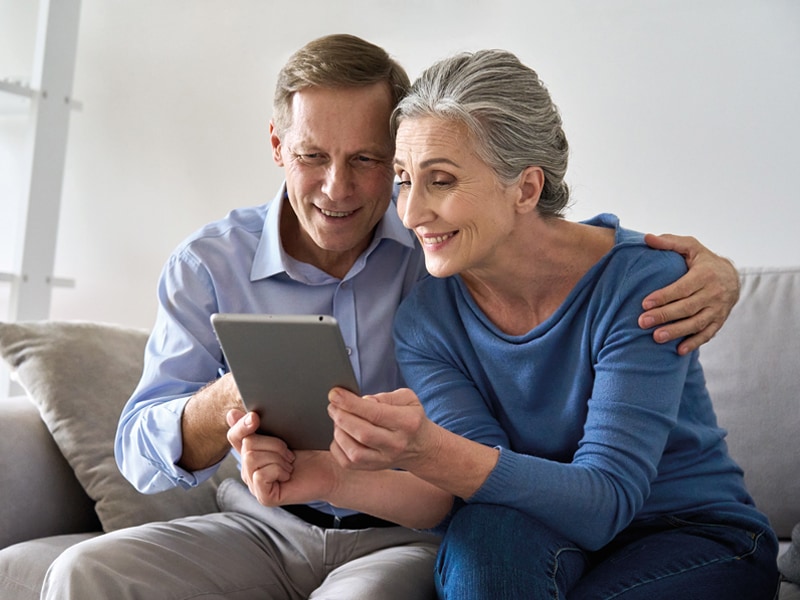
{"points": [[59, 483]]}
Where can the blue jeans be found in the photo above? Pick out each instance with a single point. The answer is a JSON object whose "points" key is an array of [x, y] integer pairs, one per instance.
{"points": [[493, 552]]}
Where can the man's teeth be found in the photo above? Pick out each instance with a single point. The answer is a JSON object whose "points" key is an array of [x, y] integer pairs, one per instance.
{"points": [[335, 213], [438, 239]]}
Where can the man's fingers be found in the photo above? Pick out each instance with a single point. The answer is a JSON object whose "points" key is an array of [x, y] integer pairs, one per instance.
{"points": [[692, 343], [233, 416], [241, 425], [686, 245], [686, 308], [700, 328]]}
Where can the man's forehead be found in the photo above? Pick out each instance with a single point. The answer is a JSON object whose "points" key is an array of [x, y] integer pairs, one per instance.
{"points": [[341, 138]]}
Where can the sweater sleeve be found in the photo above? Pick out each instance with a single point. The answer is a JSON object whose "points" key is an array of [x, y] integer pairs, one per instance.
{"points": [[634, 392]]}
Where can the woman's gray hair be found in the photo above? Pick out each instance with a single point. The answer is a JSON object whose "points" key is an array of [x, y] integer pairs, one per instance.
{"points": [[508, 111]]}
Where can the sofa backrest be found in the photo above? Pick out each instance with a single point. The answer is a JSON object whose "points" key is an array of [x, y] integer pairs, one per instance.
{"points": [[752, 369]]}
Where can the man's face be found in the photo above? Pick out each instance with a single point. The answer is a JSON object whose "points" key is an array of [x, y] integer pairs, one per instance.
{"points": [[337, 159]]}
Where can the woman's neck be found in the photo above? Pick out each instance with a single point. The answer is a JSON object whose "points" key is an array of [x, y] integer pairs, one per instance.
{"points": [[543, 264]]}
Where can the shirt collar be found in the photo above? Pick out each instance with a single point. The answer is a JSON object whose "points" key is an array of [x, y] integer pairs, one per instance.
{"points": [[271, 259]]}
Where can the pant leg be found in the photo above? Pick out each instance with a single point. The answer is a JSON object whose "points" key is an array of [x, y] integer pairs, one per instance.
{"points": [[216, 556], [673, 558], [497, 552], [402, 572], [389, 563], [248, 552]]}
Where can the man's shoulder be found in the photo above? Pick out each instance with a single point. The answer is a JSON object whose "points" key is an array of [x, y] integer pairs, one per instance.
{"points": [[238, 225]]}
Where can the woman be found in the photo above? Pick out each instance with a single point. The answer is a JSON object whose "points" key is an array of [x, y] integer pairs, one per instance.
{"points": [[588, 456]]}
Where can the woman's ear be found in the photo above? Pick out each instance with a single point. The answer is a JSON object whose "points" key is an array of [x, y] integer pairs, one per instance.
{"points": [[531, 184], [275, 141]]}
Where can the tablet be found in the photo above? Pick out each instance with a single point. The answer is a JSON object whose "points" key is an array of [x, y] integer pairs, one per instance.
{"points": [[284, 367]]}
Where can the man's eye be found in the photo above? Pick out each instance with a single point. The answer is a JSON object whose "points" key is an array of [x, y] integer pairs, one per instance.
{"points": [[365, 161], [311, 158]]}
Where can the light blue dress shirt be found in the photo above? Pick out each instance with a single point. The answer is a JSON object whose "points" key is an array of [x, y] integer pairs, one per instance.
{"points": [[238, 265]]}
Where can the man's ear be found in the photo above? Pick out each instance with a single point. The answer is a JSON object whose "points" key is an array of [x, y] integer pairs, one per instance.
{"points": [[275, 141], [531, 184]]}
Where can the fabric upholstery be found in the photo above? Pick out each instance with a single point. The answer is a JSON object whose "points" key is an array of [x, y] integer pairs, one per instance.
{"points": [[35, 479], [80, 374], [753, 372]]}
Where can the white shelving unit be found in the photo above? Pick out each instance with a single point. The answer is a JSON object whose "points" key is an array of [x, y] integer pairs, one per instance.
{"points": [[45, 103]]}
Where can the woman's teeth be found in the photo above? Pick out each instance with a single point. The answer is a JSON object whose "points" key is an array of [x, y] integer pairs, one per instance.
{"points": [[437, 239]]}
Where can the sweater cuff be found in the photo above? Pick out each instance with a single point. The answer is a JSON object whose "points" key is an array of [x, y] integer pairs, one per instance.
{"points": [[499, 479]]}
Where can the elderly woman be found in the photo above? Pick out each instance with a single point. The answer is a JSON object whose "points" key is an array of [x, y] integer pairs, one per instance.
{"points": [[586, 457], [562, 452]]}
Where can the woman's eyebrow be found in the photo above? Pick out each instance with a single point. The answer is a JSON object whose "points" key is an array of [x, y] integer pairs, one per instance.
{"points": [[429, 162]]}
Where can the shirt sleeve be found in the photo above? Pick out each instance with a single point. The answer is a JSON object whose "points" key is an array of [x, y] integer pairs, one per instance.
{"points": [[181, 357], [635, 392]]}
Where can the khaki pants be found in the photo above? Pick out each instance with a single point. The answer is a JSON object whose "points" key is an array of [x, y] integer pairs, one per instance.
{"points": [[246, 552]]}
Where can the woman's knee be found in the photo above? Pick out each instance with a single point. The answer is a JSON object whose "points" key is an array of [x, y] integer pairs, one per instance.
{"points": [[500, 530], [490, 546]]}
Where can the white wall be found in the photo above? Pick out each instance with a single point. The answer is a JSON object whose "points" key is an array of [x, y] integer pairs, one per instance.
{"points": [[682, 117]]}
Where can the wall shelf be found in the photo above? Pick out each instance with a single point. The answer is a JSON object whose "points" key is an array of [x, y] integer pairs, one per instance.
{"points": [[15, 97]]}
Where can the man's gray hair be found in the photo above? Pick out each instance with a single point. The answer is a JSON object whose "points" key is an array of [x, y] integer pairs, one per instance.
{"points": [[335, 61]]}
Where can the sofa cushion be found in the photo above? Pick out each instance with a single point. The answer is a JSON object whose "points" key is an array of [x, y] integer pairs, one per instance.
{"points": [[49, 491], [789, 561], [753, 376], [80, 375]]}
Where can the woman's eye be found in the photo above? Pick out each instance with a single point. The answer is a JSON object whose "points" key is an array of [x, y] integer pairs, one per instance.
{"points": [[402, 178]]}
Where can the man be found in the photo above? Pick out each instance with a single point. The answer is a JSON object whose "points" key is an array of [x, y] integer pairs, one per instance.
{"points": [[330, 243]]}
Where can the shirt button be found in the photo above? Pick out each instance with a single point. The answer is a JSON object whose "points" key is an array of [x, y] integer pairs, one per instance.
{"points": [[349, 350]]}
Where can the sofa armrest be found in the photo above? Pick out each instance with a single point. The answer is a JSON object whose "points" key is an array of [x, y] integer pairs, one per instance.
{"points": [[39, 495]]}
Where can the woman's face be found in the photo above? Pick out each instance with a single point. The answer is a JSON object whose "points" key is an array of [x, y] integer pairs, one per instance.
{"points": [[450, 198]]}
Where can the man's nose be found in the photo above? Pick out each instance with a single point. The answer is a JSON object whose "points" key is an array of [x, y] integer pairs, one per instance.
{"points": [[338, 182]]}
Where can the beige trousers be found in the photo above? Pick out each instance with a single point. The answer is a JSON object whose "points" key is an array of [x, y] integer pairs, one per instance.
{"points": [[246, 552]]}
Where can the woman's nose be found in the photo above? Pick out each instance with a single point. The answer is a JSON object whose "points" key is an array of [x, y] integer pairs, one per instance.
{"points": [[412, 208]]}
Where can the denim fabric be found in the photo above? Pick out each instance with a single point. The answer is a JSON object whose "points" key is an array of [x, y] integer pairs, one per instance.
{"points": [[494, 552]]}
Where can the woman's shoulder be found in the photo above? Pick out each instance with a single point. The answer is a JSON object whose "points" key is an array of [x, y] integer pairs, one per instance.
{"points": [[429, 292], [632, 262], [636, 265]]}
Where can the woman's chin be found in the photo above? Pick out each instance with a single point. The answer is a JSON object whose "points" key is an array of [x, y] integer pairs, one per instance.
{"points": [[439, 269]]}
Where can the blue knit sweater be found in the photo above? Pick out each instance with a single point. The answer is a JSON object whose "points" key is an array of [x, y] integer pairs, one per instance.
{"points": [[597, 424]]}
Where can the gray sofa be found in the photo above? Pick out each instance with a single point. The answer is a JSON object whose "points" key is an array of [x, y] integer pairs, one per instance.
{"points": [[59, 483]]}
